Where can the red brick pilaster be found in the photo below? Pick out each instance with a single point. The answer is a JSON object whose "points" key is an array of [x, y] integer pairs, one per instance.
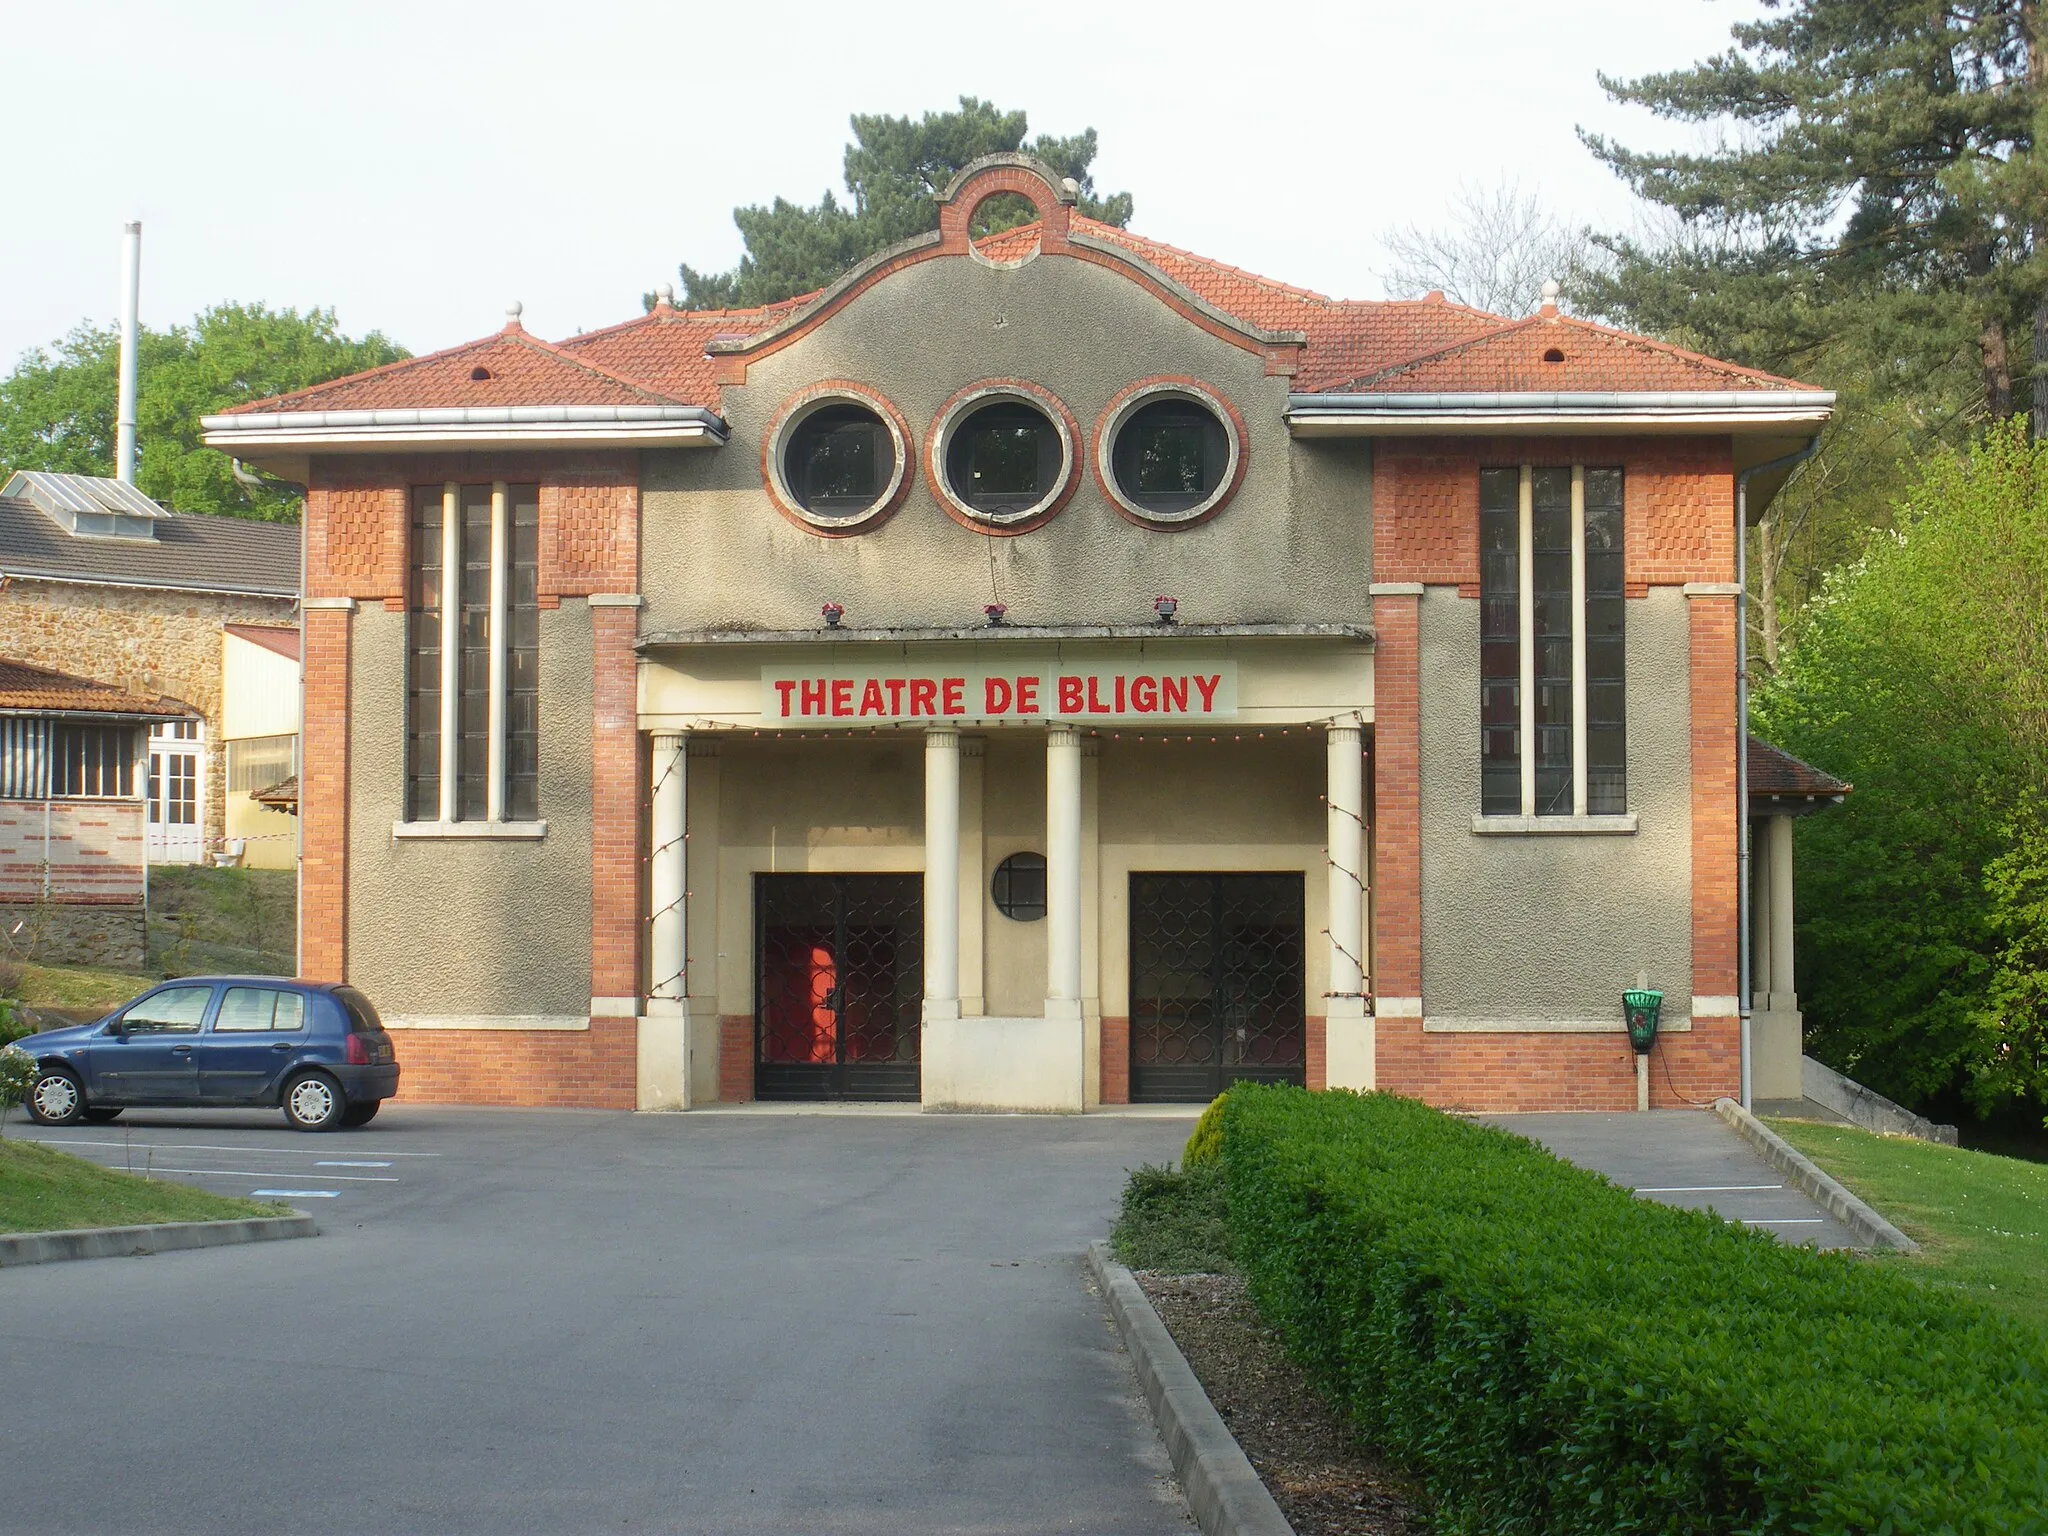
{"points": [[1714, 824], [735, 1057], [1396, 880], [617, 792], [1116, 1060], [323, 796]]}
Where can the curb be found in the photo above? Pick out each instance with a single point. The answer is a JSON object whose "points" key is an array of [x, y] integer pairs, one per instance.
{"points": [[1826, 1191], [1222, 1489], [20, 1248]]}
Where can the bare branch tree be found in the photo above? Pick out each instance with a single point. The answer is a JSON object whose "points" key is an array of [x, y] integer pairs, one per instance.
{"points": [[1500, 247]]}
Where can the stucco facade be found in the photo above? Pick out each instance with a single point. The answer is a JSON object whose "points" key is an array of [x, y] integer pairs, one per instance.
{"points": [[1036, 805]]}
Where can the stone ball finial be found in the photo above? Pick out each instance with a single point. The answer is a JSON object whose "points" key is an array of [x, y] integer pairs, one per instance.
{"points": [[1551, 289], [513, 311], [668, 295]]}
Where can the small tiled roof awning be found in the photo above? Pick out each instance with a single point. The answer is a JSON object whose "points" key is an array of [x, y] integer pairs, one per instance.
{"points": [[37, 690], [280, 797], [1781, 785]]}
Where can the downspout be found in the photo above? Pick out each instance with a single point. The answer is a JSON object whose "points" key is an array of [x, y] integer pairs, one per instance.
{"points": [[124, 409], [1744, 958]]}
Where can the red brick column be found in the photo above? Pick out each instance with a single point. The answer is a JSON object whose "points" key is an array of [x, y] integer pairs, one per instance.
{"points": [[323, 795], [617, 792], [1396, 880], [1706, 1063], [1116, 1059]]}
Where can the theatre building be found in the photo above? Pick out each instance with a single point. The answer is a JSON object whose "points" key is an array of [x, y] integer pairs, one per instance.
{"points": [[1042, 670]]}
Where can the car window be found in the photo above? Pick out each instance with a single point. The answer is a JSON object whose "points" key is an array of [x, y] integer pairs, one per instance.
{"points": [[362, 1013], [173, 1011], [247, 1009]]}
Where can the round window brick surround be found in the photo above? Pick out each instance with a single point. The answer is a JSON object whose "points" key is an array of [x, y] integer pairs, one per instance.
{"points": [[791, 414], [1134, 399], [994, 392]]}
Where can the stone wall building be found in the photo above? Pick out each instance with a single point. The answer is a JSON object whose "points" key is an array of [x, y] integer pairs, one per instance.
{"points": [[1033, 673], [99, 581]]}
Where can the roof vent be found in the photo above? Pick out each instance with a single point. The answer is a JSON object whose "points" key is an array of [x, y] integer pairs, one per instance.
{"points": [[87, 506], [1554, 355], [479, 373]]}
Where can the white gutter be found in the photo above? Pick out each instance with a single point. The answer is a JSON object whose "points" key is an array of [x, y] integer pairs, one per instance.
{"points": [[1366, 415], [510, 426]]}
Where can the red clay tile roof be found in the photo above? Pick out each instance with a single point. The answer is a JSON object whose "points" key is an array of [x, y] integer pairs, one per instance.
{"points": [[1548, 353], [24, 687], [281, 638], [1384, 346], [516, 369], [1774, 774]]}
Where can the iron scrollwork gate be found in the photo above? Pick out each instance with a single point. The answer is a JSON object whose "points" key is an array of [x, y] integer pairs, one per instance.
{"points": [[839, 986], [1216, 984]]}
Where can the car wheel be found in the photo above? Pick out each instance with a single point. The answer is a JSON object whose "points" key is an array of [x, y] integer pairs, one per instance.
{"points": [[360, 1114], [314, 1102], [99, 1116], [55, 1098]]}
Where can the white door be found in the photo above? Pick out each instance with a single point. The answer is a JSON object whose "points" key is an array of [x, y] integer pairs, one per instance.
{"points": [[177, 771]]}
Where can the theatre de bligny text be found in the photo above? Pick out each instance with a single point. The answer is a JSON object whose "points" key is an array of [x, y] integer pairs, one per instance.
{"points": [[869, 695]]}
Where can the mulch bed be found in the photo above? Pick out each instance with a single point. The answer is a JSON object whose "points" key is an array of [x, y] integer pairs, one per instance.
{"points": [[1325, 1481]]}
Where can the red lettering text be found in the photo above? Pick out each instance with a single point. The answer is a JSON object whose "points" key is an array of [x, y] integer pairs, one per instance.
{"points": [[1027, 695], [1070, 696], [1144, 694], [924, 696], [995, 695], [1095, 704], [871, 699], [813, 696], [785, 686], [1119, 693], [895, 687], [842, 695], [951, 692], [1174, 695], [1207, 686]]}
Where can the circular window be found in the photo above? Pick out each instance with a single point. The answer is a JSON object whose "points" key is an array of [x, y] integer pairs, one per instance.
{"points": [[1003, 456], [836, 459], [1169, 453], [1019, 887]]}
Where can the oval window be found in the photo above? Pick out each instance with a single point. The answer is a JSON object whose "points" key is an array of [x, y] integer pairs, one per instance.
{"points": [[1019, 887], [1004, 460], [1170, 457], [839, 461]]}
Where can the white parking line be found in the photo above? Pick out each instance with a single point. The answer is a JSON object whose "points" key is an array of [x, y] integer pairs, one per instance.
{"points": [[1781, 1221], [268, 1173], [195, 1146], [300, 1194], [337, 1162], [1704, 1189]]}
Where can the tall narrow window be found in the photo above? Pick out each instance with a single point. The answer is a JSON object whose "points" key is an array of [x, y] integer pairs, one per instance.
{"points": [[472, 687], [423, 671], [1500, 642], [1553, 736], [1606, 716]]}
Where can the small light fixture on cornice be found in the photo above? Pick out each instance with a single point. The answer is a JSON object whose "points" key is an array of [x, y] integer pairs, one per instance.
{"points": [[994, 612], [1166, 608], [833, 613]]}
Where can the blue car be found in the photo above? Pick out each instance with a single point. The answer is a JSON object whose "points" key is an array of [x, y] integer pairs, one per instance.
{"points": [[317, 1051]]}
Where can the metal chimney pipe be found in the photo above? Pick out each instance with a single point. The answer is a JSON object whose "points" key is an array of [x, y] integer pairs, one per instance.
{"points": [[131, 299]]}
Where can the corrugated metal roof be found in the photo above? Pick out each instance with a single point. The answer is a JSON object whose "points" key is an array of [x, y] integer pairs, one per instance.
{"points": [[55, 492], [190, 553]]}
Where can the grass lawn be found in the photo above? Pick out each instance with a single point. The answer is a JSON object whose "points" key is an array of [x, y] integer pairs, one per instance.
{"points": [[1982, 1220], [45, 1191], [213, 920], [78, 986]]}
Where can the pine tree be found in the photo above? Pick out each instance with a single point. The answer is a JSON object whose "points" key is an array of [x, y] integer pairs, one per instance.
{"points": [[895, 170]]}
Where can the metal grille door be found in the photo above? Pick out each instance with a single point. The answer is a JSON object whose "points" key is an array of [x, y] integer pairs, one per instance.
{"points": [[839, 993], [1216, 984]]}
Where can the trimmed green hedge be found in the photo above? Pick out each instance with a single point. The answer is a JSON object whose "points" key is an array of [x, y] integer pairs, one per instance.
{"points": [[1551, 1354]]}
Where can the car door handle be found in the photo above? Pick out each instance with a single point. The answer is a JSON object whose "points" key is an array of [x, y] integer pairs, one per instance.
{"points": [[281, 1045], [181, 1050]]}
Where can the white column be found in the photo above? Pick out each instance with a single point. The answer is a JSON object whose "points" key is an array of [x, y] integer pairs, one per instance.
{"points": [[1350, 1035], [1063, 872], [494, 784], [668, 871], [1784, 988], [1347, 860], [451, 641], [941, 874], [1759, 920]]}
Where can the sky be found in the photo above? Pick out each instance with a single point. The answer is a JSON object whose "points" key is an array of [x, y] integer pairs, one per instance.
{"points": [[418, 166]]}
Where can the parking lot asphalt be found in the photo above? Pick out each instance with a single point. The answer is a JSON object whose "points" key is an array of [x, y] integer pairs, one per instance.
{"points": [[1686, 1158], [561, 1321]]}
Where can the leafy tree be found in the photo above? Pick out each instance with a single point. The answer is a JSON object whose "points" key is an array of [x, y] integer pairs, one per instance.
{"points": [[895, 169], [57, 408], [1922, 676]]}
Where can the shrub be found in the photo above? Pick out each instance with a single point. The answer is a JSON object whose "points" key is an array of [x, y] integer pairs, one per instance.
{"points": [[1205, 1142], [17, 1076], [1553, 1355], [1174, 1220]]}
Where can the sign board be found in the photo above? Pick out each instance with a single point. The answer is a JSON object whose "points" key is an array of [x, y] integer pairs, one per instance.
{"points": [[1167, 693]]}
